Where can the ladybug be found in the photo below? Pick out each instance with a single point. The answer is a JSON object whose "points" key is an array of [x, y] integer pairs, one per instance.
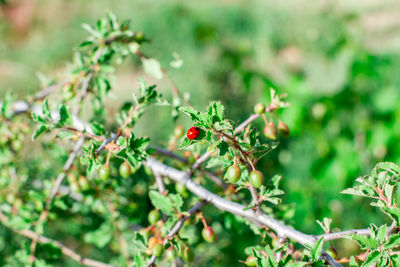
{"points": [[193, 133]]}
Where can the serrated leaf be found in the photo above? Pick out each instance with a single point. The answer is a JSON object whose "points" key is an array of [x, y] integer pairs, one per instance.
{"points": [[394, 241], [353, 262], [394, 212], [381, 235], [46, 110], [161, 202], [365, 242], [316, 249], [372, 258], [194, 114], [152, 67], [65, 116], [39, 130], [101, 236], [91, 30]]}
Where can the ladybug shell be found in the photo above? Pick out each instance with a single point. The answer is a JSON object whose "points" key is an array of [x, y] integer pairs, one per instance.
{"points": [[193, 133]]}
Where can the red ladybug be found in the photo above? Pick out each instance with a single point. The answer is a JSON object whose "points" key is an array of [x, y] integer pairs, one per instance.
{"points": [[193, 133]]}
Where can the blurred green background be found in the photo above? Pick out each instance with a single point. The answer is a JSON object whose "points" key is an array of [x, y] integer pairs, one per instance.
{"points": [[339, 63]]}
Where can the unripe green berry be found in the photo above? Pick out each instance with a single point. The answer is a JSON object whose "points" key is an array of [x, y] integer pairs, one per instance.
{"points": [[259, 108], [181, 189], [251, 261], [233, 173], [256, 178], [270, 131], [125, 169], [188, 254], [104, 172], [332, 252], [153, 216], [170, 254], [16, 145], [83, 183], [158, 250], [208, 234]]}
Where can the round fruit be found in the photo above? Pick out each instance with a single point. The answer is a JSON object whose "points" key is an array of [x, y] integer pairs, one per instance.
{"points": [[332, 252], [153, 216], [170, 254], [256, 178], [83, 183], [181, 189], [71, 178], [193, 133], [283, 128], [251, 261], [125, 169], [16, 145], [270, 130], [188, 254], [104, 173], [158, 250], [233, 173], [152, 242], [178, 131], [259, 108], [208, 234]]}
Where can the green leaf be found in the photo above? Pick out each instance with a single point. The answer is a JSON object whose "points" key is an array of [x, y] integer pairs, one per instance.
{"points": [[152, 67], [372, 258], [365, 242], [101, 236], [316, 249], [353, 262], [39, 130], [194, 114], [394, 212], [65, 116], [271, 257], [395, 260], [91, 30], [161, 202], [381, 235], [394, 240], [46, 110]]}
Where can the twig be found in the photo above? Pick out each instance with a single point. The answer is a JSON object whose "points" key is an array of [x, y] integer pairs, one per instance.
{"points": [[65, 250], [168, 153], [339, 235]]}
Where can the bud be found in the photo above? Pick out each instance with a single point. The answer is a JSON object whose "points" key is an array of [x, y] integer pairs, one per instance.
{"points": [[270, 130], [259, 108], [283, 129]]}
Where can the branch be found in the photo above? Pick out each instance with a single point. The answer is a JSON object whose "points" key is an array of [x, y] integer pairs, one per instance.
{"points": [[65, 250], [339, 235], [229, 206]]}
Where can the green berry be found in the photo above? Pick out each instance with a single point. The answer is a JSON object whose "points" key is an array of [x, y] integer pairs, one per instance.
{"points": [[188, 254], [332, 252], [170, 254], [158, 250], [153, 216], [125, 169], [233, 173], [83, 183], [181, 189], [270, 131], [256, 178], [105, 172], [251, 261], [259, 108], [283, 129], [16, 145], [208, 234]]}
